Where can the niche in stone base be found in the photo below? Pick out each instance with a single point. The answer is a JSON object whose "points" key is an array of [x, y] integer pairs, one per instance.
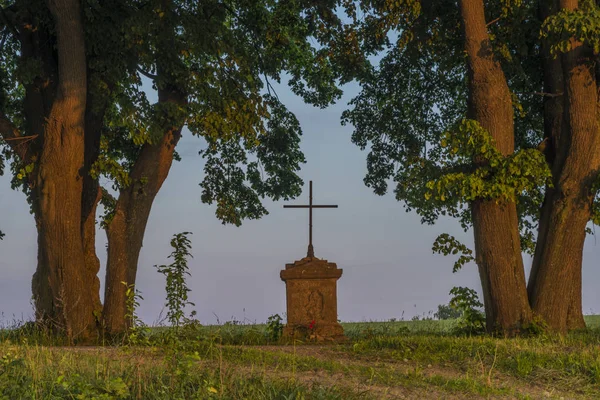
{"points": [[311, 294]]}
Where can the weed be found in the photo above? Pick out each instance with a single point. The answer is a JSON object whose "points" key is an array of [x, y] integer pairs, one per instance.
{"points": [[176, 286], [472, 319], [274, 327], [137, 332]]}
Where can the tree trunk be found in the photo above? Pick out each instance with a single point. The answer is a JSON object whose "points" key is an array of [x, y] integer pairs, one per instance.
{"points": [[555, 141], [553, 126], [575, 168], [61, 284], [575, 319], [495, 226], [127, 228], [91, 193]]}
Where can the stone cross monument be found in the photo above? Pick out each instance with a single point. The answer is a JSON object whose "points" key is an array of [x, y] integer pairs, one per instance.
{"points": [[311, 290]]}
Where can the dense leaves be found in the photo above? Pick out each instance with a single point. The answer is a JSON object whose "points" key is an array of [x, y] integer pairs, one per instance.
{"points": [[405, 105], [582, 24], [222, 57], [237, 190], [410, 113], [154, 70], [415, 116]]}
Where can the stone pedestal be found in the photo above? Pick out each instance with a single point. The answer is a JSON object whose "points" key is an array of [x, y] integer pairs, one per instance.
{"points": [[311, 292]]}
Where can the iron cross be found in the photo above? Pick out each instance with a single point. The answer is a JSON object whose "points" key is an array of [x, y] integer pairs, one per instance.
{"points": [[310, 206]]}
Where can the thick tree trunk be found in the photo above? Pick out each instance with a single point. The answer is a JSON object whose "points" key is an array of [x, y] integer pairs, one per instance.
{"points": [[577, 164], [556, 290], [498, 256], [61, 284], [495, 226], [127, 228], [556, 141]]}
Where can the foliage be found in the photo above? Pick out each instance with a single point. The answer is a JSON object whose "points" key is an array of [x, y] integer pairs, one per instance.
{"points": [[222, 58], [159, 69], [472, 319], [175, 273], [413, 120], [137, 332], [580, 24], [447, 244], [495, 176], [411, 112], [274, 327], [446, 311]]}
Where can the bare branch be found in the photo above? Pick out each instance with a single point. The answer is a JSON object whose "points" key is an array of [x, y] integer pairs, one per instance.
{"points": [[544, 94], [11, 135], [492, 21], [147, 74], [25, 138]]}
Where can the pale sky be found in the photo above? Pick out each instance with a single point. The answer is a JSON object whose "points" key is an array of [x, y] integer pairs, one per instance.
{"points": [[385, 252]]}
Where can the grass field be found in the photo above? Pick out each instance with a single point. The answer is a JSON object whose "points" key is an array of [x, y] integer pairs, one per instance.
{"points": [[382, 360]]}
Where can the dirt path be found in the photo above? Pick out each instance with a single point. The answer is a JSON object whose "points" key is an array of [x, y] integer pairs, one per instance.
{"points": [[429, 372]]}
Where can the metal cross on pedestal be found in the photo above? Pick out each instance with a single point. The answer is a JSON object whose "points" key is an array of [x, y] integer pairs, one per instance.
{"points": [[310, 206]]}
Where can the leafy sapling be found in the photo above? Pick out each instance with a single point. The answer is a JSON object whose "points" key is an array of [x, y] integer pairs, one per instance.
{"points": [[137, 331], [274, 327], [176, 286], [466, 301]]}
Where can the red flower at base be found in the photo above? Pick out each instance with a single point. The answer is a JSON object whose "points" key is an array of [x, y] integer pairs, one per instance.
{"points": [[311, 325]]}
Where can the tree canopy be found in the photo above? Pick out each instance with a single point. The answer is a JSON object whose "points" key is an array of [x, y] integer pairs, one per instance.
{"points": [[482, 111], [413, 112], [211, 64]]}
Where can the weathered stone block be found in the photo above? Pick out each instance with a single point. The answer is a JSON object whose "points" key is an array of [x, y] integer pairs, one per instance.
{"points": [[311, 293]]}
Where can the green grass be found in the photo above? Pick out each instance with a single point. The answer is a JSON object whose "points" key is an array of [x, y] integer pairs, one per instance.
{"points": [[592, 321], [42, 373], [400, 359], [249, 334]]}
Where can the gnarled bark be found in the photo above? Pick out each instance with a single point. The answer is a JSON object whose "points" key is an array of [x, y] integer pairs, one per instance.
{"points": [[577, 163], [497, 242], [554, 125], [60, 282]]}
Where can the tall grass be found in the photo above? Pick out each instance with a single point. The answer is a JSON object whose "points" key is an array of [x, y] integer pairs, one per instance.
{"points": [[237, 361]]}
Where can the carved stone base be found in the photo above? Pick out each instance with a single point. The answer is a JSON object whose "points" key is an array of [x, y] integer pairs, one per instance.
{"points": [[319, 332], [311, 293]]}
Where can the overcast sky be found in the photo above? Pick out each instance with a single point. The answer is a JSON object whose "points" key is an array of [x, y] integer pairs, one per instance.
{"points": [[389, 268]]}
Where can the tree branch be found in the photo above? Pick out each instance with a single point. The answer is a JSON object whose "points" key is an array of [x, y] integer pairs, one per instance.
{"points": [[493, 21], [105, 195], [11, 135], [258, 52], [8, 22], [3, 40], [544, 94], [147, 74]]}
